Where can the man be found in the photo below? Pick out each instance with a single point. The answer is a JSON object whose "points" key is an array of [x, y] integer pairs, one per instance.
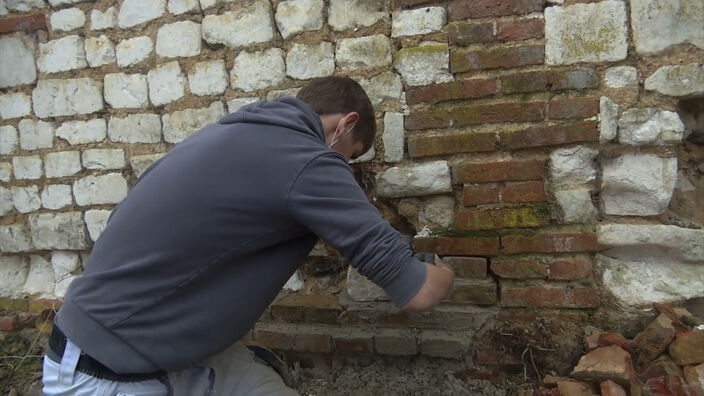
{"points": [[208, 236]]}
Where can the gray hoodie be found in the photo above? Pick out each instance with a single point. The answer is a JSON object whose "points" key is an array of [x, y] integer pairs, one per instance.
{"points": [[209, 234]]}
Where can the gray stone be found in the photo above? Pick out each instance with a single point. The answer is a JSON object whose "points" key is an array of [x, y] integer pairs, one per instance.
{"points": [[383, 86], [576, 205], [683, 244], [678, 80], [258, 70], [6, 204], [650, 126], [295, 282], [235, 104], [101, 20], [178, 39], [419, 21], [36, 134], [393, 137], [424, 65], [14, 105], [181, 124], [349, 14], [56, 196], [17, 63], [62, 285], [414, 180], [133, 51], [26, 199], [135, 128], [96, 190], [638, 184], [64, 264], [8, 139], [13, 272], [428, 213], [24, 5], [62, 54], [166, 83], [3, 8], [57, 3], [126, 90], [366, 157], [15, 238], [659, 24], [140, 163], [178, 7], [362, 289], [275, 94], [58, 231], [573, 166], [297, 16], [81, 132], [103, 159], [62, 163], [208, 78], [99, 51], [304, 61], [594, 32], [67, 19], [608, 115], [96, 220], [248, 25], [29, 167], [621, 76], [54, 98], [5, 171], [40, 278], [364, 52], [135, 12]]}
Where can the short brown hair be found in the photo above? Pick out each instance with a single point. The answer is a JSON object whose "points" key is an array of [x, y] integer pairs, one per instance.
{"points": [[339, 94]]}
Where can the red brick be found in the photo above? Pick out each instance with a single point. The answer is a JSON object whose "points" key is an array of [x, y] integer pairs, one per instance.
{"points": [[570, 268], [541, 81], [26, 23], [499, 171], [353, 344], [473, 291], [464, 33], [467, 267], [573, 108], [548, 296], [519, 192], [497, 357], [548, 243], [274, 339], [519, 268], [8, 323], [475, 114], [437, 343], [552, 135], [608, 339], [464, 9], [307, 308], [523, 29], [395, 342], [478, 194], [40, 305], [496, 218], [316, 343], [480, 246], [463, 89], [463, 60], [423, 146]]}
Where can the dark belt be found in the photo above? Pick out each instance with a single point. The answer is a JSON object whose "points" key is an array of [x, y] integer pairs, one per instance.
{"points": [[92, 367]]}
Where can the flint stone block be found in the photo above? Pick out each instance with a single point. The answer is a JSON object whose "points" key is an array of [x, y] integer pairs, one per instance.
{"points": [[97, 190], [13, 272], [350, 14], [96, 220], [14, 105], [126, 90], [178, 39], [621, 76], [67, 19], [26, 199], [103, 159], [383, 86], [135, 12], [61, 164], [166, 83], [81, 132], [62, 54], [364, 52], [133, 51], [15, 238], [8, 139], [235, 104], [178, 7], [17, 61], [678, 81], [181, 124], [58, 231], [54, 98], [29, 167], [393, 137], [419, 21], [650, 126], [140, 163], [427, 64], [208, 78], [99, 51], [414, 180], [305, 61], [40, 278], [258, 70], [297, 16], [101, 20], [608, 114], [248, 25], [573, 166], [660, 24], [56, 196], [36, 134], [135, 128]]}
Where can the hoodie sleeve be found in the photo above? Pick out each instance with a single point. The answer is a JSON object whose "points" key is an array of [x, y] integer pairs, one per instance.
{"points": [[327, 200]]}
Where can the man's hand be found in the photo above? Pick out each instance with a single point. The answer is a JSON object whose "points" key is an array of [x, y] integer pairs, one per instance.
{"points": [[438, 284]]}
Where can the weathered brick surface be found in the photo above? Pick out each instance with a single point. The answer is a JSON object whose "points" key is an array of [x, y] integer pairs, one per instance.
{"points": [[538, 81], [463, 89], [480, 246], [467, 267], [519, 192], [519, 268], [442, 344], [495, 218], [355, 343], [474, 114], [522, 29], [395, 343], [548, 243], [548, 296], [24, 23], [499, 171], [464, 33], [478, 194], [422, 146], [307, 308], [473, 291], [573, 108], [552, 135], [462, 9], [570, 268], [466, 60]]}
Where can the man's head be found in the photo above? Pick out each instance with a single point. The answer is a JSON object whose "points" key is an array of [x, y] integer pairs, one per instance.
{"points": [[346, 112]]}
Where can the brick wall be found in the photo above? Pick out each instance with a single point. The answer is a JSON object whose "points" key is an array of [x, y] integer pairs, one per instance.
{"points": [[547, 150]]}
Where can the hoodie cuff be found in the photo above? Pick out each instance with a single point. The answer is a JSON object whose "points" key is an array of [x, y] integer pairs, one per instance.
{"points": [[408, 282]]}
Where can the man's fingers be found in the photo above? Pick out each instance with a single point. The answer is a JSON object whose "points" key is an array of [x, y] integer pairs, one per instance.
{"points": [[442, 264]]}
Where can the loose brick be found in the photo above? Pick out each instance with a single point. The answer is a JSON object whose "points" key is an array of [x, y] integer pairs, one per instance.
{"points": [[573, 108], [354, 344], [523, 29], [552, 135], [478, 194], [480, 246], [473, 291], [464, 33], [307, 308], [26, 23], [467, 267], [463, 60], [499, 171], [519, 192], [316, 343], [475, 114], [570, 268], [548, 296], [442, 344], [395, 342], [540, 81], [548, 243], [519, 268], [463, 9], [490, 219], [423, 146], [463, 89]]}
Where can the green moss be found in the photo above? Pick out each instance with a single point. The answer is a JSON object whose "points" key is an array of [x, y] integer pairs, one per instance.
{"points": [[422, 50], [453, 232]]}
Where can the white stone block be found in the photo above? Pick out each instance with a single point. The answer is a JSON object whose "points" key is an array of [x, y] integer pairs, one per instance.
{"points": [[13, 272], [414, 180], [166, 83], [8, 139], [58, 231], [275, 94], [178, 7], [36, 134], [427, 64], [15, 238], [61, 286], [56, 196], [576, 205], [428, 213], [54, 98], [678, 80], [135, 128], [29, 167], [208, 78], [135, 12], [64, 264], [14, 105], [348, 14], [364, 52], [419, 21], [24, 5], [3, 8], [304, 61], [683, 244], [362, 289], [40, 278], [96, 190], [295, 282], [6, 204], [133, 51], [258, 70], [17, 61], [178, 39], [608, 115], [638, 184], [621, 76], [141, 163], [26, 199], [103, 159], [297, 16], [57, 3], [245, 26], [383, 86], [62, 54], [126, 90], [650, 126], [393, 137], [235, 104], [81, 132], [99, 51], [67, 19], [366, 157], [573, 166], [5, 171], [593, 32], [101, 20], [96, 220], [62, 163], [659, 24], [181, 124]]}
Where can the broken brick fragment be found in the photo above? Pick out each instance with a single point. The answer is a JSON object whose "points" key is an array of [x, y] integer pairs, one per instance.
{"points": [[607, 339], [688, 348], [610, 388], [606, 363]]}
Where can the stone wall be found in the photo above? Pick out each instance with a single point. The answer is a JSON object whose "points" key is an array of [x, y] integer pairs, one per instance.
{"points": [[550, 152]]}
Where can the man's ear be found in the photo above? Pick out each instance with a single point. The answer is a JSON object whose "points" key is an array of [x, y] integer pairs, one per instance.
{"points": [[349, 120]]}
